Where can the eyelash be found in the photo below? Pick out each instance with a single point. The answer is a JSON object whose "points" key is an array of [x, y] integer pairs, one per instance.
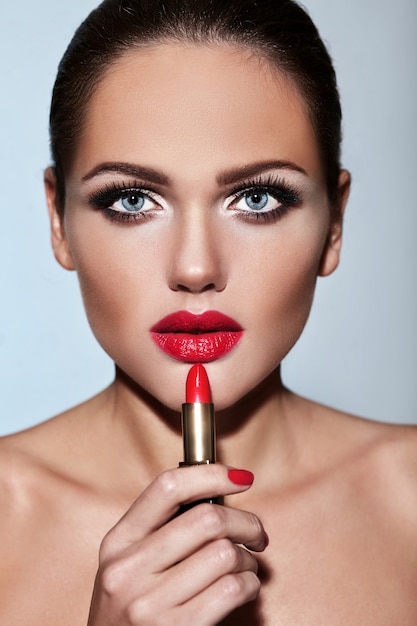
{"points": [[286, 195], [103, 199]]}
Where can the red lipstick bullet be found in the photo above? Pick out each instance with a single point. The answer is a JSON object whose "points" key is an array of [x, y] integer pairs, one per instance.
{"points": [[197, 418], [197, 387]]}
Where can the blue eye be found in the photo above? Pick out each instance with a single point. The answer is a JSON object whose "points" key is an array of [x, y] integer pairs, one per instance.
{"points": [[130, 201], [256, 200], [120, 202], [265, 199], [133, 201]]}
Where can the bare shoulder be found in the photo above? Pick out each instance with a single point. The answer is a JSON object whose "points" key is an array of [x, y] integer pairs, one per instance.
{"points": [[29, 488], [54, 514], [378, 459], [32, 465], [356, 434], [43, 465], [50, 484], [40, 450], [58, 446], [391, 467], [382, 446]]}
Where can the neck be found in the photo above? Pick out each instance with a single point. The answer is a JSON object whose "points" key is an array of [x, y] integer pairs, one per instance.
{"points": [[146, 436], [149, 433], [256, 433]]}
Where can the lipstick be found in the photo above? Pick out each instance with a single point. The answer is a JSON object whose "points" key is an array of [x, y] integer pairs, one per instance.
{"points": [[193, 338], [197, 418]]}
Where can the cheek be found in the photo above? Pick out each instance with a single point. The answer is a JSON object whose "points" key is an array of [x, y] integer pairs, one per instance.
{"points": [[272, 289], [112, 279], [282, 281], [289, 300], [104, 299]]}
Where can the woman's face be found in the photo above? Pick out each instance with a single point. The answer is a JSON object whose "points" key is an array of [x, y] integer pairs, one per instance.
{"points": [[196, 187]]}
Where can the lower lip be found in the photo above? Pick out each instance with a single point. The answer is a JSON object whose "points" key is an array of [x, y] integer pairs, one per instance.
{"points": [[202, 348]]}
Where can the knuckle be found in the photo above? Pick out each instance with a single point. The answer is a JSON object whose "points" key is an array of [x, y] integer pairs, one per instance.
{"points": [[169, 485], [107, 546], [228, 554], [141, 611], [146, 610], [111, 577], [211, 519], [233, 587], [242, 587]]}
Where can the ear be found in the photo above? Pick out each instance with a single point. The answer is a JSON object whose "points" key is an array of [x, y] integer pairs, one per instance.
{"points": [[59, 240], [331, 253]]}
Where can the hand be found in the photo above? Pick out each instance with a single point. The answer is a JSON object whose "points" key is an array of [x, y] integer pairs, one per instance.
{"points": [[157, 567]]}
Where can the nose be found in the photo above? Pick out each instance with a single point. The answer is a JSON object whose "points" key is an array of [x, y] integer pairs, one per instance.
{"points": [[197, 263]]}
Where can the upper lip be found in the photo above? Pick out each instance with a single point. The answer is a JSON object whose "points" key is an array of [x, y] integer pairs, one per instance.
{"points": [[187, 322]]}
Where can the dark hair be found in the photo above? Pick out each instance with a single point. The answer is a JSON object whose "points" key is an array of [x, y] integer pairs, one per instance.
{"points": [[279, 30]]}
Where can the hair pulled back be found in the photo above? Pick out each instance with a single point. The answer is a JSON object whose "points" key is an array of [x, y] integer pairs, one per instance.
{"points": [[278, 30]]}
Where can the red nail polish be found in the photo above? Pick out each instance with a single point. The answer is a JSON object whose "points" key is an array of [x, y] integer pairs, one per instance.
{"points": [[240, 477]]}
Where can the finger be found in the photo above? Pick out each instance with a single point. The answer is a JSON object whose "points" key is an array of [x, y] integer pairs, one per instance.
{"points": [[184, 538], [202, 524], [205, 609], [192, 576], [133, 575], [220, 599], [162, 498]]}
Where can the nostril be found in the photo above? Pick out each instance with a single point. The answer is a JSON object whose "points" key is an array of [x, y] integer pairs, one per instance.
{"points": [[197, 288], [209, 287]]}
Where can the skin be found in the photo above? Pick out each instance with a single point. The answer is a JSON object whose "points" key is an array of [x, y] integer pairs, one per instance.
{"points": [[89, 505]]}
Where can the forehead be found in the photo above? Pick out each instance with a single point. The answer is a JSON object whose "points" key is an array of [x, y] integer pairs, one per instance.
{"points": [[196, 105]]}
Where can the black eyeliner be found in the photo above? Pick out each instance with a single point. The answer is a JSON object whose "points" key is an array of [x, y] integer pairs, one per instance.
{"points": [[103, 199], [285, 194]]}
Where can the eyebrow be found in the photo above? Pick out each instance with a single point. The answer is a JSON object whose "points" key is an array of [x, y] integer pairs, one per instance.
{"points": [[228, 177], [237, 174], [138, 171]]}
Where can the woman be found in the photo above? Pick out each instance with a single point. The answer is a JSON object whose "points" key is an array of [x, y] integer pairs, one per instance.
{"points": [[196, 177]]}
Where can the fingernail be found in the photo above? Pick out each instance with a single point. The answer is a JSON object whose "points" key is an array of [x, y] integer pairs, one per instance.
{"points": [[240, 476]]}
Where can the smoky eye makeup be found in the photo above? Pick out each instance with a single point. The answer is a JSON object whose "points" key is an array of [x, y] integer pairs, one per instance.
{"points": [[125, 202], [264, 198]]}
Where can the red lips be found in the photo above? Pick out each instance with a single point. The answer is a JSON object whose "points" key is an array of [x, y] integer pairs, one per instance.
{"points": [[196, 338]]}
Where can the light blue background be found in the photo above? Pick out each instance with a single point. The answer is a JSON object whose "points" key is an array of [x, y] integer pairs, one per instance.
{"points": [[359, 351]]}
